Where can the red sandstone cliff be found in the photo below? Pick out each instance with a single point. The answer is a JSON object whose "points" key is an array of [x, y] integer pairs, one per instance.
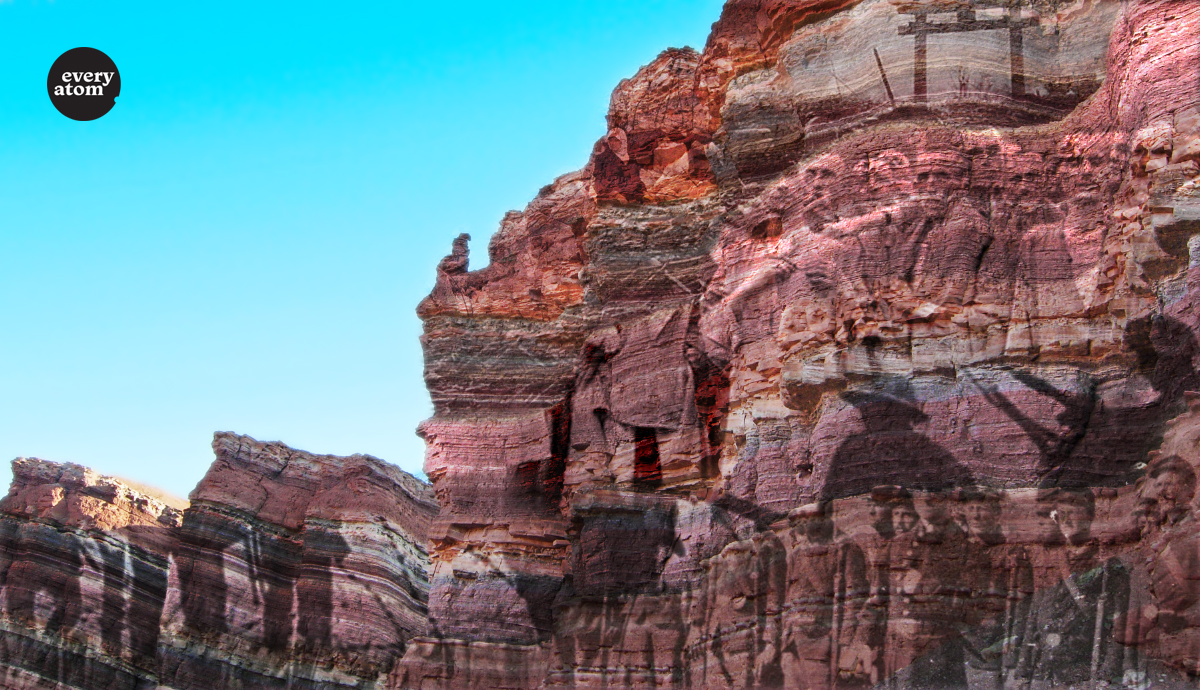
{"points": [[288, 569], [844, 358], [862, 352]]}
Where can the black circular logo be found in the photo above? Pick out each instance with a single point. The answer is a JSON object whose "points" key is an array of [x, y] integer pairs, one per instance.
{"points": [[83, 84]]}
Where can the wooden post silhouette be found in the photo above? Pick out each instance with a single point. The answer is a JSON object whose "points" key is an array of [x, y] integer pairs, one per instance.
{"points": [[883, 76], [965, 20], [1016, 58]]}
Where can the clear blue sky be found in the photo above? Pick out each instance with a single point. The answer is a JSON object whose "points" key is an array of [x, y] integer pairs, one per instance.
{"points": [[241, 243]]}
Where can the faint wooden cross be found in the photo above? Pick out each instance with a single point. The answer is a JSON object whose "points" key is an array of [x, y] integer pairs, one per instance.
{"points": [[965, 20]]}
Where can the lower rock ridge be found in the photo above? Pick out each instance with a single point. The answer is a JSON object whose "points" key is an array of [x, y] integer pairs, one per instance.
{"points": [[863, 353], [287, 570]]}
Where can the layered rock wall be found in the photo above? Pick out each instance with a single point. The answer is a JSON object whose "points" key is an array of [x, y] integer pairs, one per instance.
{"points": [[83, 575], [849, 361], [287, 570], [862, 353], [295, 570]]}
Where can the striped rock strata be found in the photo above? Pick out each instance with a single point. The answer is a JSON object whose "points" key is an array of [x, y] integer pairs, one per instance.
{"points": [[83, 574], [846, 360], [287, 570], [863, 352]]}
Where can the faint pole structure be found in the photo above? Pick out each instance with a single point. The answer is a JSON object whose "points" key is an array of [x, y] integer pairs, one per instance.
{"points": [[883, 76], [965, 20]]}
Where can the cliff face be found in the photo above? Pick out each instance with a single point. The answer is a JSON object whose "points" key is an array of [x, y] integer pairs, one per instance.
{"points": [[287, 570], [83, 573], [847, 359], [862, 353]]}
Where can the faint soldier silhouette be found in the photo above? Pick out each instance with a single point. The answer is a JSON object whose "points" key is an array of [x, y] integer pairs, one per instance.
{"points": [[655, 634], [743, 596], [1068, 634], [571, 615], [114, 565], [1168, 619], [273, 569], [1154, 602], [616, 579], [324, 552], [996, 584], [827, 586], [200, 562], [922, 647], [655, 627], [1164, 495], [49, 564], [603, 636], [8, 548], [135, 586], [893, 518], [271, 565], [587, 629], [147, 593]]}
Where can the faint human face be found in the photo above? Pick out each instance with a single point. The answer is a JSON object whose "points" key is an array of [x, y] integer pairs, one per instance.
{"points": [[1160, 494], [1075, 522], [906, 519], [817, 529], [982, 517], [881, 518], [1048, 530]]}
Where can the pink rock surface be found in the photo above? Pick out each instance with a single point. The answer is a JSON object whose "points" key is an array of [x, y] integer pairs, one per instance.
{"points": [[288, 569], [74, 496], [936, 304], [862, 353]]}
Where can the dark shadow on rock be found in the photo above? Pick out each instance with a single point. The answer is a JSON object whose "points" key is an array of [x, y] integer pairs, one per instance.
{"points": [[324, 551], [200, 558], [761, 516], [134, 591], [273, 571], [114, 600], [1094, 444], [890, 451], [623, 551], [147, 594], [52, 566], [539, 592]]}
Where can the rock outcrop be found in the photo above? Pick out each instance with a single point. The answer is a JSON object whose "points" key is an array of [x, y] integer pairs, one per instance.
{"points": [[847, 360], [83, 574], [287, 569], [863, 353]]}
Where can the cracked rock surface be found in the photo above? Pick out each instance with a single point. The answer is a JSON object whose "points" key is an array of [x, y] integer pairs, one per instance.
{"points": [[287, 569], [863, 353]]}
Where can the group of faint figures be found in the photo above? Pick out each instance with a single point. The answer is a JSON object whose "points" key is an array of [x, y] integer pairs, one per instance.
{"points": [[1087, 576], [289, 581], [922, 590]]}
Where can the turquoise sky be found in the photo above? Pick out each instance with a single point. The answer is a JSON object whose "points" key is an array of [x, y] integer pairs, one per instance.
{"points": [[241, 243]]}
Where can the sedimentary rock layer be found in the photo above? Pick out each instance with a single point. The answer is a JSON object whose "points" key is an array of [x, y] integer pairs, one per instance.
{"points": [[862, 353], [83, 574], [847, 360], [287, 569]]}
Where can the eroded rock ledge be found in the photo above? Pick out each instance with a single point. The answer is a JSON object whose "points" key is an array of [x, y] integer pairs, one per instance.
{"points": [[862, 353], [847, 360], [288, 569]]}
